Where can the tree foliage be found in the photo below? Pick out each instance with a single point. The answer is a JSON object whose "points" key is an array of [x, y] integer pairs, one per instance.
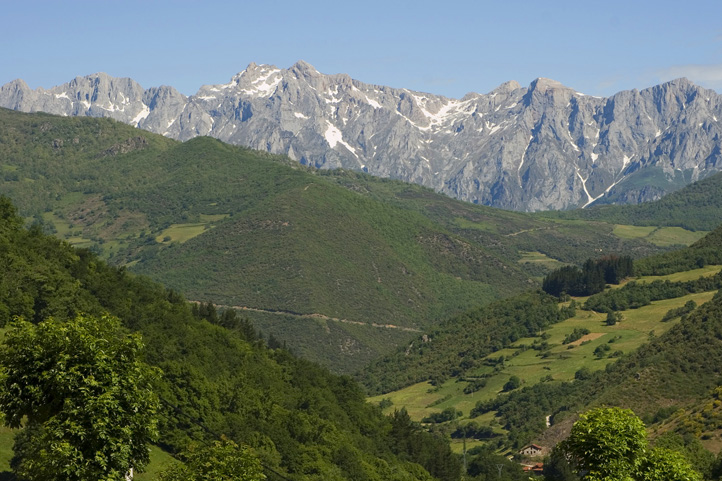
{"points": [[463, 342], [590, 279], [301, 420], [221, 461], [637, 294], [706, 251], [81, 394], [610, 444], [661, 464]]}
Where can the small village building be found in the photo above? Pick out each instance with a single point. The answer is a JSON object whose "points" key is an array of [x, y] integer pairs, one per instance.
{"points": [[532, 450], [535, 469]]}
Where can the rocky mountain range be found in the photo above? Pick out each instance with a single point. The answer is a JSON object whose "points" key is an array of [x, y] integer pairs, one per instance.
{"points": [[539, 147]]}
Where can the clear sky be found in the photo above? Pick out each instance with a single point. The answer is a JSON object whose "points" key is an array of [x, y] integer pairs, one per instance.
{"points": [[447, 48]]}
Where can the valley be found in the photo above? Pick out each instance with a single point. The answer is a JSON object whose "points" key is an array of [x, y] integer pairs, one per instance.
{"points": [[433, 304], [239, 227], [558, 361]]}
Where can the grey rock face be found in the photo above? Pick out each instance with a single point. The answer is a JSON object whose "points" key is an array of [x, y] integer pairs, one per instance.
{"points": [[541, 147]]}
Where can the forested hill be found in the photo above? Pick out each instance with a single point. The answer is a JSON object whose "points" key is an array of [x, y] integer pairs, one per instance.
{"points": [[303, 422], [520, 370], [462, 343], [341, 265], [665, 380], [697, 206], [706, 251]]}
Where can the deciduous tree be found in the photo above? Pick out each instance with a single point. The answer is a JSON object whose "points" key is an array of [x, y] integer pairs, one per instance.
{"points": [[82, 396], [221, 461], [610, 444]]}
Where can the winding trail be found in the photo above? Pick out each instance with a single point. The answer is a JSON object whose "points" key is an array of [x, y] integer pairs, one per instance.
{"points": [[319, 316], [527, 230]]}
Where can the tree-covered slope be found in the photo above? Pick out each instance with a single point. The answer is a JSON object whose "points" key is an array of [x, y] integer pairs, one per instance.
{"points": [[697, 206], [343, 266], [509, 370], [462, 343], [678, 369], [302, 421]]}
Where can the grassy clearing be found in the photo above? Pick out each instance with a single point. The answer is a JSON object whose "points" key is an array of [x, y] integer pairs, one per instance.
{"points": [[632, 231], [669, 236], [660, 236], [558, 363], [539, 259], [181, 232], [6, 448], [705, 271], [80, 242], [159, 460]]}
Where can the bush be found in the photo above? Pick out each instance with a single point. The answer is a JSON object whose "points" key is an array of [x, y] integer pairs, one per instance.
{"points": [[513, 383]]}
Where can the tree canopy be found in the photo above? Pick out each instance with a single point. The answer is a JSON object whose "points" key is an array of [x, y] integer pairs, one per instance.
{"points": [[610, 444], [82, 396], [218, 374], [221, 461]]}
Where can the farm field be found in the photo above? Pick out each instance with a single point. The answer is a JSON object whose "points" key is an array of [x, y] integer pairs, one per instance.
{"points": [[539, 258], [661, 236], [557, 361]]}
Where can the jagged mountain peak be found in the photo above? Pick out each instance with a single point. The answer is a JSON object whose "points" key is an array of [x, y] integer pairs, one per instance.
{"points": [[506, 87], [544, 85], [681, 82], [303, 66], [17, 85], [545, 146]]}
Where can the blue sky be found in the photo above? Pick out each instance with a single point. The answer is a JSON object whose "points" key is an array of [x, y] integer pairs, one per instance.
{"points": [[447, 48]]}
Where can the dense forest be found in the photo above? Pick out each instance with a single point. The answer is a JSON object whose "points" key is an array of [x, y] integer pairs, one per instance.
{"points": [[705, 251], [590, 279]]}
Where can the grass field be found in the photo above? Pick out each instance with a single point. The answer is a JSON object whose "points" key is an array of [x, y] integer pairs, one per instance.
{"points": [[181, 232], [632, 231], [184, 232], [539, 259], [6, 450], [669, 236], [661, 236], [159, 460], [559, 362], [694, 274]]}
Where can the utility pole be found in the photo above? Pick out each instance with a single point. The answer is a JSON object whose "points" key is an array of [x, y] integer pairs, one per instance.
{"points": [[464, 428], [499, 467]]}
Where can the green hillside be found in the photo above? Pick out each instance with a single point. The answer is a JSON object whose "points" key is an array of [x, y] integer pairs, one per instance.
{"points": [[512, 366], [697, 206], [342, 266], [217, 377]]}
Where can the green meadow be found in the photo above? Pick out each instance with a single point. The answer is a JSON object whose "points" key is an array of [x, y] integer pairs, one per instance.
{"points": [[660, 236], [559, 362]]}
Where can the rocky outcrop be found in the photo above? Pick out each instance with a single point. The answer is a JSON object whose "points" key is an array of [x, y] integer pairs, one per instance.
{"points": [[539, 147]]}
